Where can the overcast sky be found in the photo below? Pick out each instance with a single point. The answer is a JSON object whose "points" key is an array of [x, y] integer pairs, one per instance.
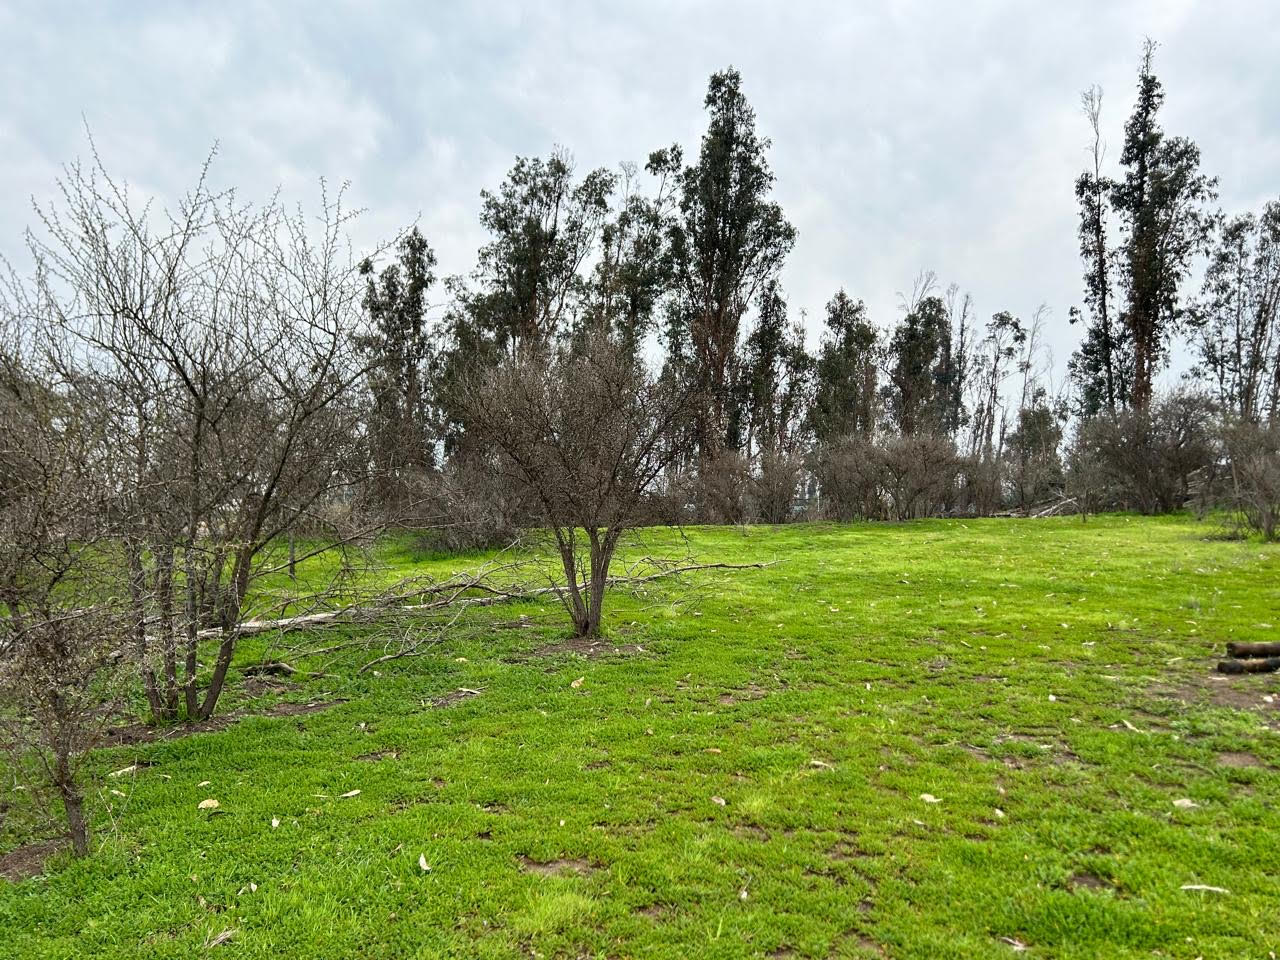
{"points": [[906, 135]]}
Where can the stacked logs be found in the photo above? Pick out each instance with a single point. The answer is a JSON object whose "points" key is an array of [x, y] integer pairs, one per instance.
{"points": [[1251, 658]]}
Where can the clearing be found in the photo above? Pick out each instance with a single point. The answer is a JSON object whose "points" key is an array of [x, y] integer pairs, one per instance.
{"points": [[942, 739]]}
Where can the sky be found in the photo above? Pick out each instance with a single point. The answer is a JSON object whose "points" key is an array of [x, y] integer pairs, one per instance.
{"points": [[907, 135]]}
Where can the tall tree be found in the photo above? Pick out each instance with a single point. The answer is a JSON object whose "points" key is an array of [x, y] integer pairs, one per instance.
{"points": [[846, 374], [402, 441], [1238, 316], [992, 362], [1161, 207], [530, 286], [777, 379], [1100, 367], [918, 392], [633, 271], [727, 242], [543, 229]]}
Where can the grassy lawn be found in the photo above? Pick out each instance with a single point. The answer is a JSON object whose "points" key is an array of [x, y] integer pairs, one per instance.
{"points": [[942, 739]]}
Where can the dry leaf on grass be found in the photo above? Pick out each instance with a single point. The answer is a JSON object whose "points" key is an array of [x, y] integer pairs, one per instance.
{"points": [[577, 683], [720, 801], [209, 804], [422, 863], [349, 794], [929, 798], [223, 937]]}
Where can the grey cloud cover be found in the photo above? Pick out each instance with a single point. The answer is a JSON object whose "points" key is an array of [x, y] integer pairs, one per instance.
{"points": [[907, 135]]}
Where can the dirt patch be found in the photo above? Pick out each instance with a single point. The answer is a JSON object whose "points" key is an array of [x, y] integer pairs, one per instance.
{"points": [[868, 946], [750, 831], [583, 647], [748, 693], [454, 696], [138, 733], [846, 852], [28, 860], [1055, 752], [379, 755], [555, 868], [1088, 881], [255, 687], [1236, 692], [1238, 758], [654, 911]]}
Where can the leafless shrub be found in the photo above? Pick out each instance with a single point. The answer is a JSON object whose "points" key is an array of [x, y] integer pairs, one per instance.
{"points": [[61, 634], [774, 486], [981, 491], [850, 478], [1148, 458], [469, 507], [723, 488], [1254, 453], [920, 475]]}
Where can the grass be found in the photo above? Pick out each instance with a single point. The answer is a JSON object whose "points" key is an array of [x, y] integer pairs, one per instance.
{"points": [[1048, 683]]}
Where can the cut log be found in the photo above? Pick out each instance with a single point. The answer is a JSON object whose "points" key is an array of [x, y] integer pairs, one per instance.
{"points": [[1267, 665], [1253, 649]]}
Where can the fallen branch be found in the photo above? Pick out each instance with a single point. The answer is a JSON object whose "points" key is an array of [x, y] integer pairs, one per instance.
{"points": [[1056, 507], [451, 595]]}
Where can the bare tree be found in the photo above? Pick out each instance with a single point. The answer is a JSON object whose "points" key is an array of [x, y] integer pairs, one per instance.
{"points": [[582, 435], [219, 338]]}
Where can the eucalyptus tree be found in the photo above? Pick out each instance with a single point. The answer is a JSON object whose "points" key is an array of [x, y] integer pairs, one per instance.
{"points": [[544, 226], [728, 241], [399, 350], [1161, 207], [1101, 366], [1238, 317], [918, 371], [846, 373]]}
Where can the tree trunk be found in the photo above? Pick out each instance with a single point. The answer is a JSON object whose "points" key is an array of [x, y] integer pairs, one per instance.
{"points": [[137, 593], [72, 802]]}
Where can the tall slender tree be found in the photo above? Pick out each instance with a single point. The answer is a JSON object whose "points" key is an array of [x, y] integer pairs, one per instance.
{"points": [[401, 438], [847, 373], [1100, 367], [727, 242], [1161, 204]]}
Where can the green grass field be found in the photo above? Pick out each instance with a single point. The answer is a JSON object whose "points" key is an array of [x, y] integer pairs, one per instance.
{"points": [[942, 739]]}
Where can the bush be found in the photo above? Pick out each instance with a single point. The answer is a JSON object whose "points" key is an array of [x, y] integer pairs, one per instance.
{"points": [[1254, 454], [773, 488], [850, 474], [1145, 461], [723, 488], [902, 478], [469, 507]]}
